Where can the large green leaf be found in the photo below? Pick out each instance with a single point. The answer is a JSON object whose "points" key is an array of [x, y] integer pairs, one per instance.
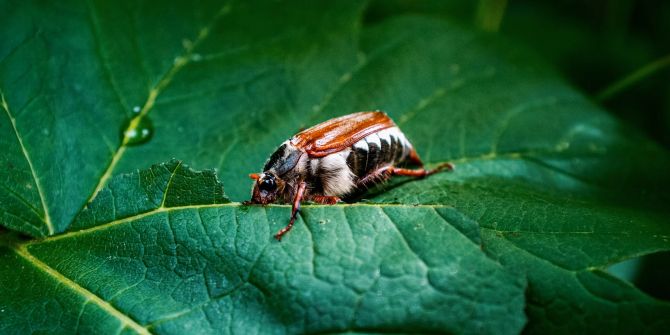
{"points": [[548, 188], [183, 261], [73, 75]]}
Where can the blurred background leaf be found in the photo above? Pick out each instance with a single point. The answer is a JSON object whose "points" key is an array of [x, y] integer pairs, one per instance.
{"points": [[593, 44]]}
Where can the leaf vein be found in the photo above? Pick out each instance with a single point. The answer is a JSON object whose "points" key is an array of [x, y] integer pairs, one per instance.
{"points": [[235, 289], [179, 63], [404, 240], [545, 260], [40, 191], [347, 77], [169, 183], [23, 200], [95, 29], [437, 94], [126, 321], [513, 112]]}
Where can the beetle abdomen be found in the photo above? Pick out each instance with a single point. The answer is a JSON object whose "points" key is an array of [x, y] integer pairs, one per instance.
{"points": [[384, 148], [337, 174]]}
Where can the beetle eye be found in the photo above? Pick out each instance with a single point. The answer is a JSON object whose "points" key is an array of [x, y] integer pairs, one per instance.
{"points": [[268, 185]]}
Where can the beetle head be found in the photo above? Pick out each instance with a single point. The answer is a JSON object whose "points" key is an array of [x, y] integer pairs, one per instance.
{"points": [[266, 188]]}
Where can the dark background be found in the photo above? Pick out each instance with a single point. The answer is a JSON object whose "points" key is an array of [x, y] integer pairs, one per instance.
{"points": [[594, 45]]}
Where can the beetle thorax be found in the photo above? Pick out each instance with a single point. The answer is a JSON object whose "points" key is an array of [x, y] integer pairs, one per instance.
{"points": [[284, 160]]}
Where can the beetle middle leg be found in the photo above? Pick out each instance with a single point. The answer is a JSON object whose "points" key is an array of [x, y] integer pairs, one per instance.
{"points": [[294, 211]]}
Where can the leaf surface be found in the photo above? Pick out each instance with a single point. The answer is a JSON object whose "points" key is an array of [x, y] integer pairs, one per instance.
{"points": [[202, 262]]}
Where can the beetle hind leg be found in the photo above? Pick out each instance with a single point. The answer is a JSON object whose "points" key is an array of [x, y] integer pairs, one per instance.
{"points": [[414, 158], [419, 173], [389, 171], [439, 168]]}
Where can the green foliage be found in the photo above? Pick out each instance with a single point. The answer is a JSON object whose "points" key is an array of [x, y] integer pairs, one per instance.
{"points": [[548, 188], [198, 263]]}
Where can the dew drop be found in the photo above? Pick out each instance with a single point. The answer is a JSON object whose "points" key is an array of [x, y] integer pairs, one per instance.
{"points": [[137, 131], [136, 109], [196, 57]]}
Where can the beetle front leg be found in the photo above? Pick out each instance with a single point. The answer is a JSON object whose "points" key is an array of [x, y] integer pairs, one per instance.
{"points": [[294, 211]]}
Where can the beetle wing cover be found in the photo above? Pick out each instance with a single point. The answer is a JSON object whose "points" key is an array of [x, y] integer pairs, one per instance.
{"points": [[340, 133]]}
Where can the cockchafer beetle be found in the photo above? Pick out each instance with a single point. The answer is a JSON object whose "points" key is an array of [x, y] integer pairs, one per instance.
{"points": [[334, 159]]}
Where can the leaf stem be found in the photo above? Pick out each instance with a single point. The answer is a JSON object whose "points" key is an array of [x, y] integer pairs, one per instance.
{"points": [[633, 78]]}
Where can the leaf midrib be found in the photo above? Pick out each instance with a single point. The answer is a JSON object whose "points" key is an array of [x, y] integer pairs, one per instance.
{"points": [[162, 208], [179, 63], [126, 321], [22, 251]]}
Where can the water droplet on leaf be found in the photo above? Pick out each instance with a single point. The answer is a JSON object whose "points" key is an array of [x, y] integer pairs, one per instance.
{"points": [[138, 131], [136, 109]]}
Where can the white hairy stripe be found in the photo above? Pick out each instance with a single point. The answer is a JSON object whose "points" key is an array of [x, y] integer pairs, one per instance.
{"points": [[314, 166], [301, 166], [385, 135], [361, 145], [406, 146], [373, 139], [403, 139], [395, 131], [337, 178]]}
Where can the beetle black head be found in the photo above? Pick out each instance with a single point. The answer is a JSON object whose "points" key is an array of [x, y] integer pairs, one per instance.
{"points": [[266, 188]]}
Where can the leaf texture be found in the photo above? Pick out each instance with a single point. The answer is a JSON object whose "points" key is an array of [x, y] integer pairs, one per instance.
{"points": [[210, 265]]}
